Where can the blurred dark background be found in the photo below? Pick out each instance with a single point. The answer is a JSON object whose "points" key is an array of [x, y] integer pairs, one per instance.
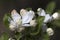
{"points": [[7, 5]]}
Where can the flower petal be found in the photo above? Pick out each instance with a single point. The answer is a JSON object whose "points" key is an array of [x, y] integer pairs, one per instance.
{"points": [[47, 18], [15, 16], [12, 25], [28, 17], [23, 12]]}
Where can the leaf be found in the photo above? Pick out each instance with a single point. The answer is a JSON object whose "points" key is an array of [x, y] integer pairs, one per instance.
{"points": [[50, 7], [4, 37], [18, 36], [39, 25], [45, 36], [56, 23], [5, 19]]}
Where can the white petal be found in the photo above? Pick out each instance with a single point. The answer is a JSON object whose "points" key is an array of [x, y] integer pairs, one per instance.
{"points": [[23, 12], [12, 25], [28, 17], [15, 16], [47, 18], [41, 12], [12, 22], [25, 18]]}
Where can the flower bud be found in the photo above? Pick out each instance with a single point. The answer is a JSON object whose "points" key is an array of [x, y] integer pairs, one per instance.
{"points": [[38, 9], [50, 31], [56, 15], [33, 23], [12, 27], [41, 12], [20, 29]]}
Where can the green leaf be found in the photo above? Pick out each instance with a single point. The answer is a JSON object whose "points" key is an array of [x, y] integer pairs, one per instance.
{"points": [[18, 35], [50, 7], [4, 37], [56, 23], [5, 19], [39, 25], [46, 37]]}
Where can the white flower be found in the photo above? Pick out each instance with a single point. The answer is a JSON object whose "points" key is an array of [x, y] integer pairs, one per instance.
{"points": [[55, 15], [16, 17], [47, 18], [15, 22], [11, 39], [41, 12], [50, 31], [18, 21], [26, 17], [33, 23]]}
